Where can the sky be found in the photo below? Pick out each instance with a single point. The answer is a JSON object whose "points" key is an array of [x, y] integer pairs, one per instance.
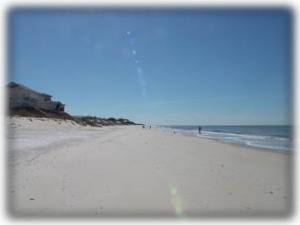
{"points": [[163, 67]]}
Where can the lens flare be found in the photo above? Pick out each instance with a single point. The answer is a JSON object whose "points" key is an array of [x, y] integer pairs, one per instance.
{"points": [[139, 70], [176, 201]]}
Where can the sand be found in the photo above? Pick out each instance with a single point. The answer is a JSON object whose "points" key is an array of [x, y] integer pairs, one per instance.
{"points": [[57, 168]]}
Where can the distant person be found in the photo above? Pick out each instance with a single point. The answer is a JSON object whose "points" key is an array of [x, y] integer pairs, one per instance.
{"points": [[150, 127], [143, 126], [199, 129]]}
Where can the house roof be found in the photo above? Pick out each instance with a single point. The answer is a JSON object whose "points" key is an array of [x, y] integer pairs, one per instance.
{"points": [[14, 84]]}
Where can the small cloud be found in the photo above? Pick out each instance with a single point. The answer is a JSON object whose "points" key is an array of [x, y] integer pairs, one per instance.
{"points": [[128, 32], [134, 52]]}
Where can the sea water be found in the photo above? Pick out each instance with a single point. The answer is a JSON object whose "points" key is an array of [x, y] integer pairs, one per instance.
{"points": [[277, 138]]}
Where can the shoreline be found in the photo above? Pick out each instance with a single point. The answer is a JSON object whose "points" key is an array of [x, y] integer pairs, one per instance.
{"points": [[223, 141], [130, 171]]}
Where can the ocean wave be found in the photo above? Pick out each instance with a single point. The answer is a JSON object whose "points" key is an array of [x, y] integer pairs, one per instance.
{"points": [[250, 136], [282, 144]]}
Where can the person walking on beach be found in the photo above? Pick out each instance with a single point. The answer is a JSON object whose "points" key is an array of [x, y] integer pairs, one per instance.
{"points": [[199, 129]]}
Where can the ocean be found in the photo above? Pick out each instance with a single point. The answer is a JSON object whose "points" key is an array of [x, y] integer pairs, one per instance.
{"points": [[277, 138]]}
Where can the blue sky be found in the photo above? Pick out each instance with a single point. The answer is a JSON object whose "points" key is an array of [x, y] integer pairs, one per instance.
{"points": [[184, 67]]}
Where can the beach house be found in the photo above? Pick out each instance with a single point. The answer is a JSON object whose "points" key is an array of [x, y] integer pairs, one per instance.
{"points": [[21, 96]]}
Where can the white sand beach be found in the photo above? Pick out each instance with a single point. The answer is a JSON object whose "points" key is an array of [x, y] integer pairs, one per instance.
{"points": [[58, 168]]}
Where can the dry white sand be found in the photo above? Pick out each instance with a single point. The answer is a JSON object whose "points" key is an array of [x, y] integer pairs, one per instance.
{"points": [[58, 168]]}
